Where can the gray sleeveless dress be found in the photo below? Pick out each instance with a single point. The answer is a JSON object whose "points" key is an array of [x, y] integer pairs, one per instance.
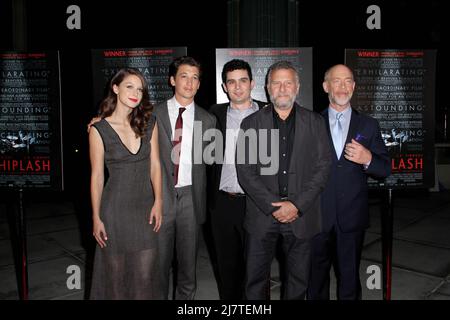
{"points": [[127, 268]]}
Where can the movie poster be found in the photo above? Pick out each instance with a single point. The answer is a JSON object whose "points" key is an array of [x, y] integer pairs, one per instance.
{"points": [[397, 87], [260, 59], [152, 62], [30, 121]]}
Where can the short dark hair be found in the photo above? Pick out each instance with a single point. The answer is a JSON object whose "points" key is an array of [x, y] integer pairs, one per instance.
{"points": [[177, 62], [236, 64]]}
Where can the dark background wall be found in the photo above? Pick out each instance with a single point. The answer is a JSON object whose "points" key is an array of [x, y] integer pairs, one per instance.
{"points": [[203, 26]]}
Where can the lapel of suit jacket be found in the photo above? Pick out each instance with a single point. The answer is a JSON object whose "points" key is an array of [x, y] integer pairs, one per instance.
{"points": [[197, 117], [266, 123], [330, 138], [299, 142], [354, 124], [165, 121], [267, 118], [222, 120]]}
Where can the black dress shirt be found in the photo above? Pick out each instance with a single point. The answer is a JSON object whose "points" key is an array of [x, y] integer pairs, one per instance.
{"points": [[286, 142]]}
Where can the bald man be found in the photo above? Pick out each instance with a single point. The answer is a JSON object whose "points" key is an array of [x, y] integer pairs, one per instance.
{"points": [[358, 152]]}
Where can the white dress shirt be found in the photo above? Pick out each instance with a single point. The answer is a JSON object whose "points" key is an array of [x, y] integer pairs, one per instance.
{"points": [[185, 168]]}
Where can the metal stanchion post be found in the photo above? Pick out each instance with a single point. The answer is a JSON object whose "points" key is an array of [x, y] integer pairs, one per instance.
{"points": [[387, 233], [22, 237]]}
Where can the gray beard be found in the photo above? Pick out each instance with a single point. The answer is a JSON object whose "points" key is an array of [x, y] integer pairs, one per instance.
{"points": [[338, 101], [288, 104]]}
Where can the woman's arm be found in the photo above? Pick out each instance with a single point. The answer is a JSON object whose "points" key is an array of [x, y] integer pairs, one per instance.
{"points": [[96, 154], [156, 179]]}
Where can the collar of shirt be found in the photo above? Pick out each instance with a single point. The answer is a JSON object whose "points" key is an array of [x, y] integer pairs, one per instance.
{"points": [[241, 114], [253, 106], [291, 115], [188, 114], [332, 114], [189, 108]]}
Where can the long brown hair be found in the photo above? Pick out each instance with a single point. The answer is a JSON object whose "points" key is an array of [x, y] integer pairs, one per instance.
{"points": [[140, 115]]}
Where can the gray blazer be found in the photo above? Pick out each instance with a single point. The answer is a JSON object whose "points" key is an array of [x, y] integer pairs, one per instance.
{"points": [[308, 173], [198, 170]]}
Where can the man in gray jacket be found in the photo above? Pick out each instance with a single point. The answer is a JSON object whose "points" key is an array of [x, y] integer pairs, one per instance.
{"points": [[184, 180], [283, 202]]}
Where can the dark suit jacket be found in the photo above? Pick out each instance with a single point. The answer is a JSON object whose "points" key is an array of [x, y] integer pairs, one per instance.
{"points": [[308, 172], [198, 170], [220, 111], [345, 198]]}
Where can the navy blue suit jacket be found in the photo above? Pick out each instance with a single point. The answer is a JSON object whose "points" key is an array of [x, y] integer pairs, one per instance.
{"points": [[345, 197]]}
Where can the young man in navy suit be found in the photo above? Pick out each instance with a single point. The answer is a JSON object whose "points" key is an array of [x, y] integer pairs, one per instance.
{"points": [[358, 152]]}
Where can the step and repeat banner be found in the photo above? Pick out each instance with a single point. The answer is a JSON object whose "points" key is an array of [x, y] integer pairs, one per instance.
{"points": [[153, 63], [260, 59], [30, 120], [397, 87]]}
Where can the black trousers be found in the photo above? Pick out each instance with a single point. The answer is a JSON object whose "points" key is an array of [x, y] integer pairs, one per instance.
{"points": [[227, 228], [260, 250], [343, 251]]}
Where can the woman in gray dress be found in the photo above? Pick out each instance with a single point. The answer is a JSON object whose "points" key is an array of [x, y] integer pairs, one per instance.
{"points": [[127, 210]]}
